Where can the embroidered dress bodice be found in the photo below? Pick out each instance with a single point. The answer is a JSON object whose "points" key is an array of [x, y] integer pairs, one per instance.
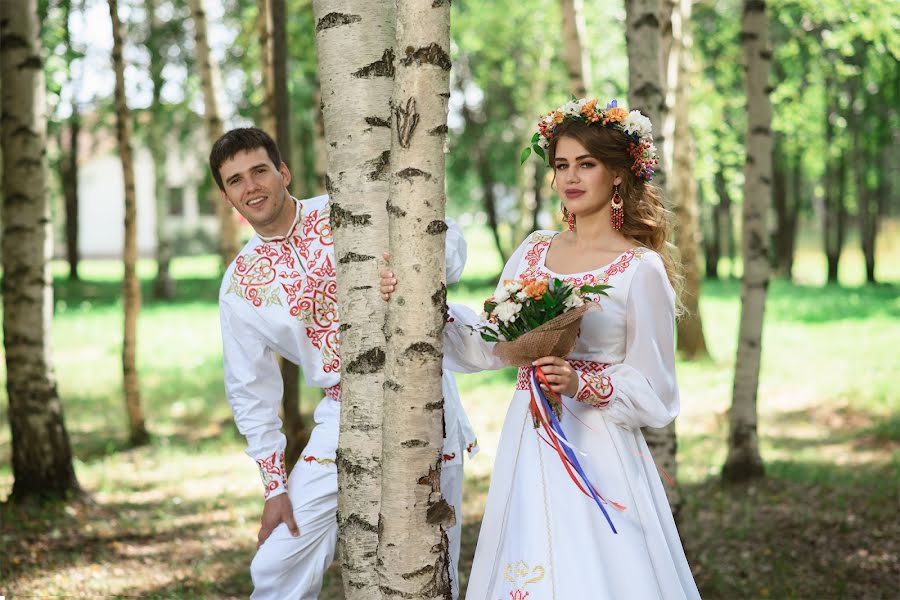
{"points": [[280, 296]]}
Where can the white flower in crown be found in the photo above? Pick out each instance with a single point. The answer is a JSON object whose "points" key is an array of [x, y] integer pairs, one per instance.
{"points": [[637, 124], [507, 311], [573, 301]]}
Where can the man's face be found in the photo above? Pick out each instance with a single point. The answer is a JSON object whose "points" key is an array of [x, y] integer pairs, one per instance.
{"points": [[257, 189]]}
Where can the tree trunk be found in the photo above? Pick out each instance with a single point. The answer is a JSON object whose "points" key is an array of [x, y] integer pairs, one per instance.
{"points": [[574, 56], [264, 27], [69, 160], [646, 84], [683, 187], [229, 245], [41, 454], [164, 285], [743, 461], [413, 557], [353, 76], [131, 292]]}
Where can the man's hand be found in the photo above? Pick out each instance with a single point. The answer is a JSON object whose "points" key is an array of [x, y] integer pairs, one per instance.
{"points": [[276, 511]]}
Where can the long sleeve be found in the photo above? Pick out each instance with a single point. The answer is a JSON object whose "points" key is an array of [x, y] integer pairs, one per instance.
{"points": [[254, 390], [642, 390], [464, 349]]}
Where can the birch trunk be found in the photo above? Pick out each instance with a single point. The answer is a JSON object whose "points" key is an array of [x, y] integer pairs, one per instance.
{"points": [[354, 41], [164, 286], [41, 454], [574, 55], [646, 85], [131, 292], [743, 461], [683, 186], [412, 549], [229, 244], [264, 33]]}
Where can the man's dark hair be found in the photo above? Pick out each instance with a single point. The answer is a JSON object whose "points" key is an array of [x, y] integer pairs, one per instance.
{"points": [[240, 140]]}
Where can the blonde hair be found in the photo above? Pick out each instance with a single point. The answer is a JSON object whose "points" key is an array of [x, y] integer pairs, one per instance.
{"points": [[647, 219]]}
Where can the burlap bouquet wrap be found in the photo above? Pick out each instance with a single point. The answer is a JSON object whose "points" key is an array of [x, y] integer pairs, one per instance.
{"points": [[556, 337]]}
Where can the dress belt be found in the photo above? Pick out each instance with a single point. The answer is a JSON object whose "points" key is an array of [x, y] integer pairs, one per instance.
{"points": [[524, 380]]}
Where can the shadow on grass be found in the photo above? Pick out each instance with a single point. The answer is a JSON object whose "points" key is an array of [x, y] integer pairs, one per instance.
{"points": [[88, 293], [788, 301]]}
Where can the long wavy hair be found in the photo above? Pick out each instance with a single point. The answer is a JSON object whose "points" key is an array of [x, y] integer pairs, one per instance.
{"points": [[647, 219]]}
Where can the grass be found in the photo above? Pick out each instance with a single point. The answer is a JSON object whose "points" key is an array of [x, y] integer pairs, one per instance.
{"points": [[178, 518]]}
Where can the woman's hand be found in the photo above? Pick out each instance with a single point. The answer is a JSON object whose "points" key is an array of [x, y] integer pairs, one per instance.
{"points": [[563, 379], [388, 281]]}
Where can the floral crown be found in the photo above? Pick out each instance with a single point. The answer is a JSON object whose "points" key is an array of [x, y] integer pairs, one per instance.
{"points": [[633, 124]]}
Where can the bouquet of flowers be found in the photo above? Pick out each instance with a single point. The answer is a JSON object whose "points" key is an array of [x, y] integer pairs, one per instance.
{"points": [[531, 318]]}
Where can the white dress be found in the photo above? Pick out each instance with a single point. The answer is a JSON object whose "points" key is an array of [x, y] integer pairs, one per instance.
{"points": [[542, 538]]}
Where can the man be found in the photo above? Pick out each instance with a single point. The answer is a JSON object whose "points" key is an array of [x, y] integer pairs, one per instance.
{"points": [[278, 296]]}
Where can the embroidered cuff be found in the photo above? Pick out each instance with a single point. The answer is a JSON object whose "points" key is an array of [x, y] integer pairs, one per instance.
{"points": [[273, 473], [594, 389]]}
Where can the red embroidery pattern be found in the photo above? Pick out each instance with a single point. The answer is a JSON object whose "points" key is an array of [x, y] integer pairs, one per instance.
{"points": [[334, 392], [309, 289], [272, 471]]}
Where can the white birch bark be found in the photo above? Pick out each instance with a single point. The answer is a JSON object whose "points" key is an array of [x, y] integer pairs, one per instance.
{"points": [[412, 550], [573, 37], [354, 40], [228, 243], [646, 92], [743, 460], [41, 454], [131, 292]]}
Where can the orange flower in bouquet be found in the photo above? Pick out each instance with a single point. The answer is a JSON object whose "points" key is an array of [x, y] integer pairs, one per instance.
{"points": [[531, 318]]}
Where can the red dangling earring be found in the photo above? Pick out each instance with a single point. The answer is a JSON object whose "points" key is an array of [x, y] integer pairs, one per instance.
{"points": [[617, 212]]}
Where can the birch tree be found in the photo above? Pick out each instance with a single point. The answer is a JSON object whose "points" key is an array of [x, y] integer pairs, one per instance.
{"points": [[164, 285], [412, 550], [229, 244], [743, 460], [41, 454], [682, 182], [646, 92], [354, 41], [573, 38], [131, 292]]}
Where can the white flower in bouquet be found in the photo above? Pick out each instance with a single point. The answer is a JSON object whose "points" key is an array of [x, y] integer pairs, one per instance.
{"points": [[573, 301], [637, 124], [507, 311]]}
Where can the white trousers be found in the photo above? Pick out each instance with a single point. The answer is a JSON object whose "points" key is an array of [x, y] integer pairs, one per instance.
{"points": [[291, 568]]}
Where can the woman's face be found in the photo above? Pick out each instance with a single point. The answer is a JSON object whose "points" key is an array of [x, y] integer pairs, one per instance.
{"points": [[584, 183]]}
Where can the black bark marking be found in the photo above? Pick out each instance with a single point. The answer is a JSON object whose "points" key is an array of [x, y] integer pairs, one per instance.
{"points": [[370, 361], [440, 513], [422, 350], [414, 444], [439, 130], [378, 122], [379, 166], [436, 227], [395, 210], [340, 217], [431, 54], [406, 118], [384, 67], [409, 172], [336, 19], [354, 257], [647, 20]]}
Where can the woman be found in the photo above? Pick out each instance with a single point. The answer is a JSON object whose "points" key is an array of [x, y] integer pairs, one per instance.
{"points": [[541, 537]]}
